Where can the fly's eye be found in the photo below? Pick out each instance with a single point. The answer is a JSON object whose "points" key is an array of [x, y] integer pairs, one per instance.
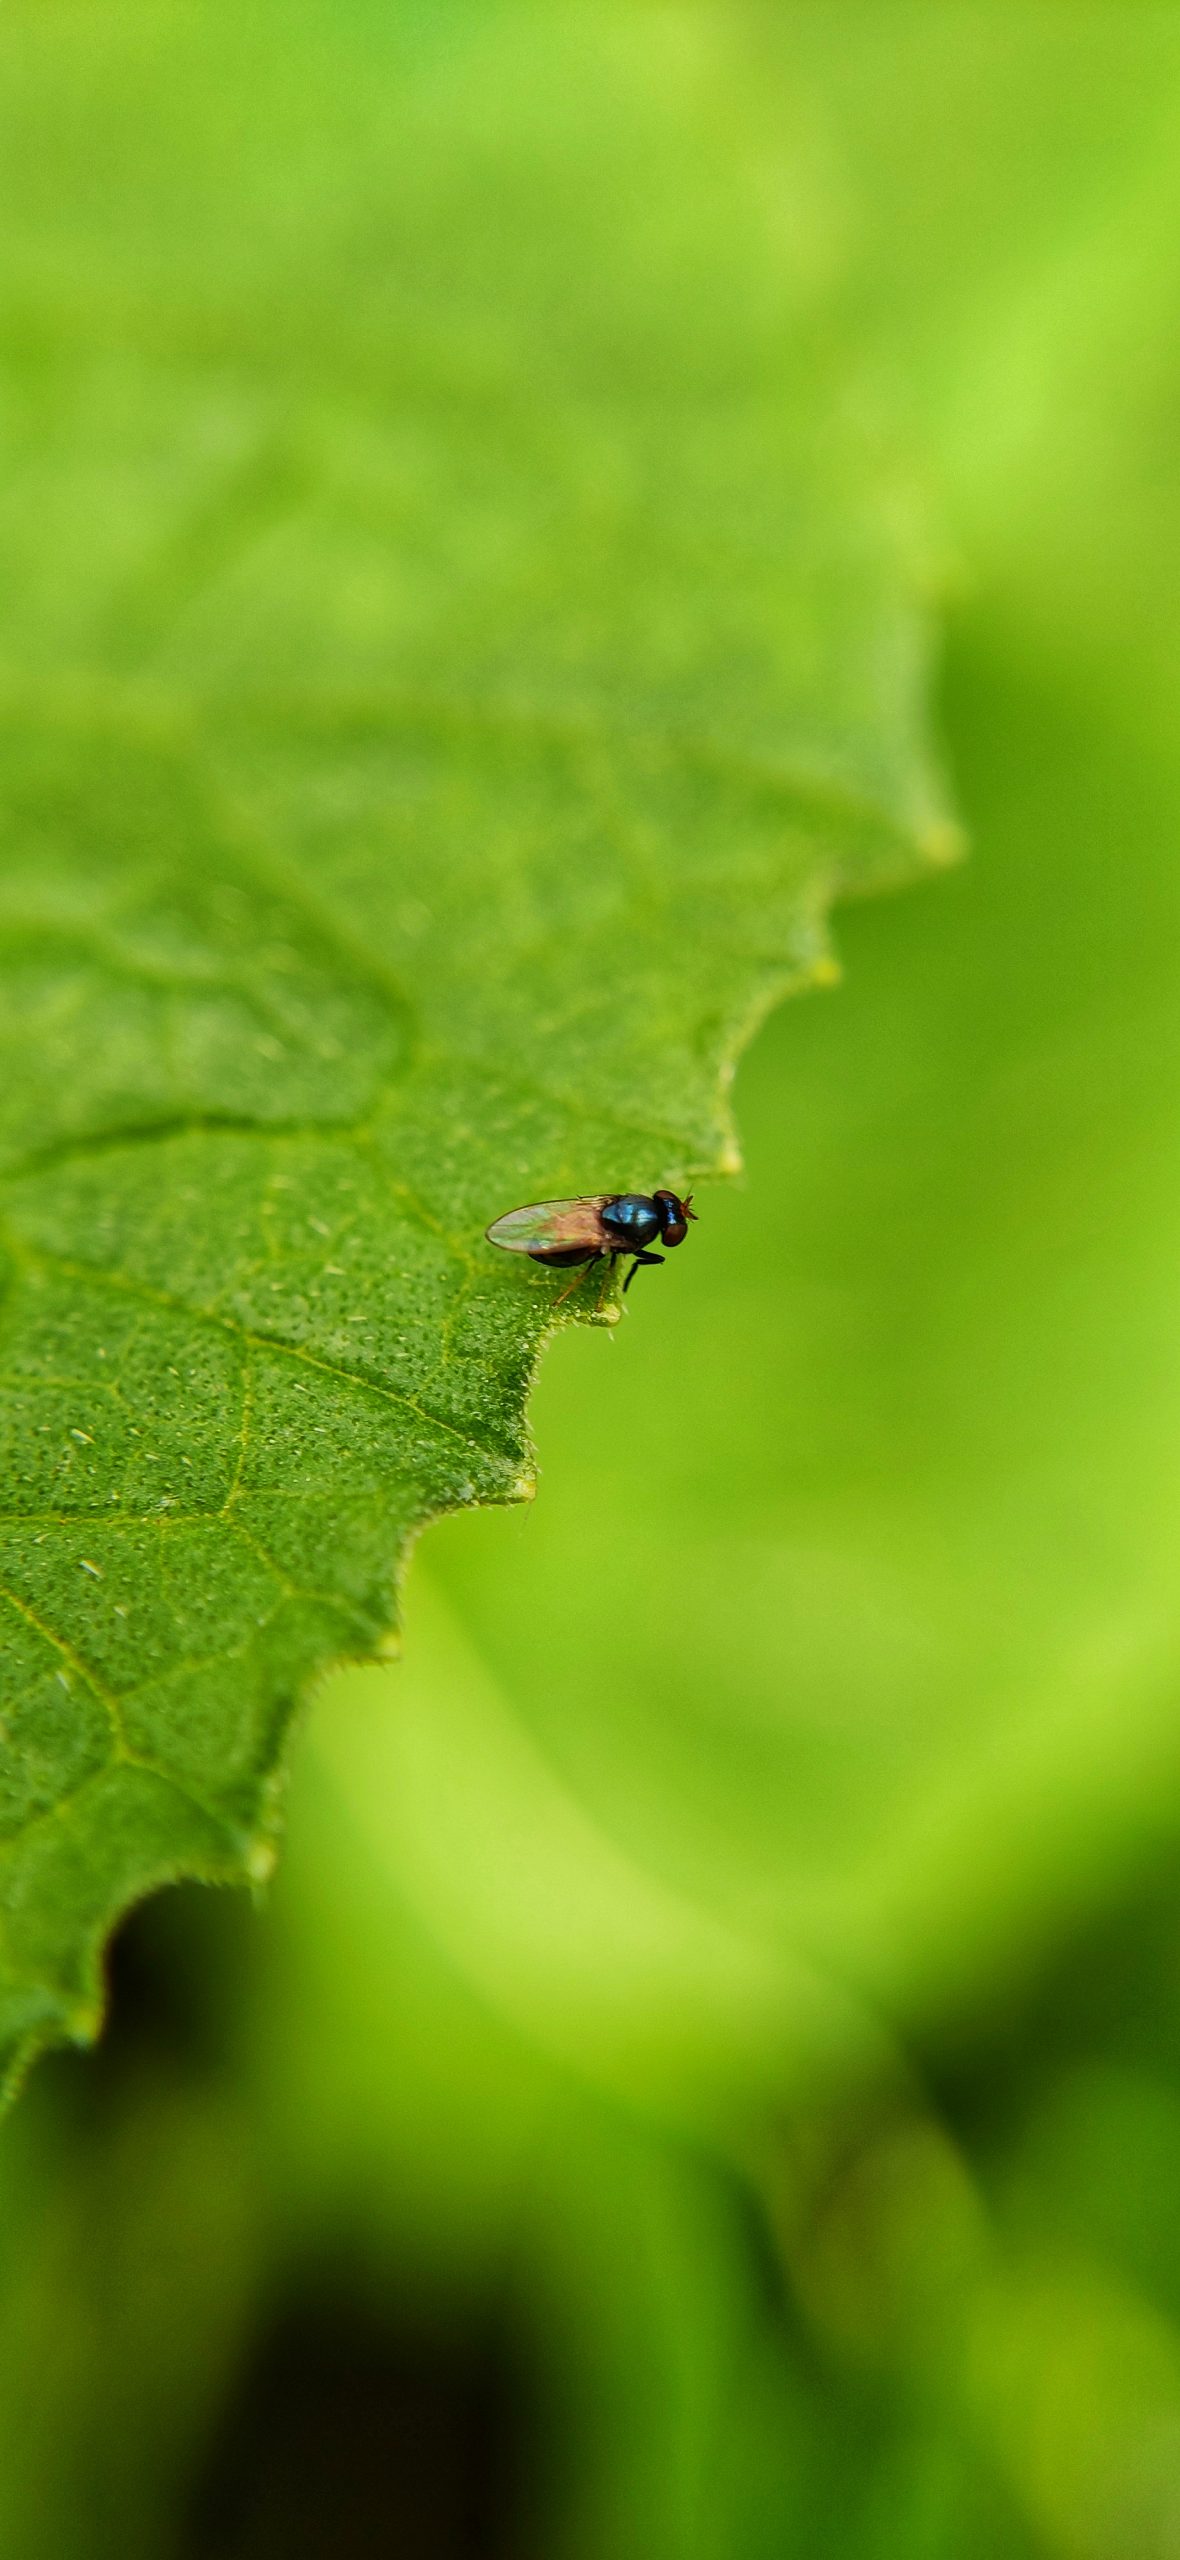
{"points": [[673, 1223]]}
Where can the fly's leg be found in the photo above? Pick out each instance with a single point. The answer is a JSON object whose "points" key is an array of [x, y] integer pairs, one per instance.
{"points": [[641, 1258], [575, 1283]]}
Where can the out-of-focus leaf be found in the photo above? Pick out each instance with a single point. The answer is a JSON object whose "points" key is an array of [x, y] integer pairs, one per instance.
{"points": [[456, 641], [128, 2259]]}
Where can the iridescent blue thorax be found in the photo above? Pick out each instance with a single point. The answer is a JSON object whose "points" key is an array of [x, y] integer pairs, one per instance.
{"points": [[634, 1220]]}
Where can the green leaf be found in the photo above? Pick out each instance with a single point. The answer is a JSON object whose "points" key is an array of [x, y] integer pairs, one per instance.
{"points": [[893, 1620], [458, 640]]}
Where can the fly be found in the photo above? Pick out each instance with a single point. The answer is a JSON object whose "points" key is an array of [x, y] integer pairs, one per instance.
{"points": [[566, 1232]]}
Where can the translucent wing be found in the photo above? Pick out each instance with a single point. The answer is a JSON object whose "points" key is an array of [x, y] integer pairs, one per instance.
{"points": [[549, 1226]]}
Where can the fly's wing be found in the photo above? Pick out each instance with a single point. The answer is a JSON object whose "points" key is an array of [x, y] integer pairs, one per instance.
{"points": [[552, 1226]]}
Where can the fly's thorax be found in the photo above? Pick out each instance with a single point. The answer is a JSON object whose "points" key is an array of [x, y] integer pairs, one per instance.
{"points": [[632, 1221]]}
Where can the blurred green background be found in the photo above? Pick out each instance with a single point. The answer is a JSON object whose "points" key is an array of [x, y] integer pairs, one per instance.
{"points": [[706, 2082]]}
